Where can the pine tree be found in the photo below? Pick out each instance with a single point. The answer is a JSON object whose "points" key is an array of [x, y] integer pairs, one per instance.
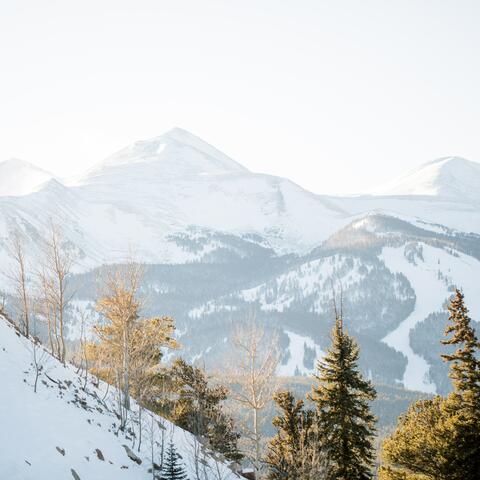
{"points": [[439, 439], [464, 403], [465, 363], [172, 469], [345, 423], [197, 407], [421, 446], [291, 454]]}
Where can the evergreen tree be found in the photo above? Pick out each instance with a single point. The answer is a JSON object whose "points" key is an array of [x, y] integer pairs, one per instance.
{"points": [[421, 446], [197, 407], [172, 469], [464, 403], [291, 454], [464, 362], [439, 439], [345, 423]]}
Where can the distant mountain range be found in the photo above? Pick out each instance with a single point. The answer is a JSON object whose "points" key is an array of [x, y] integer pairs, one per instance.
{"points": [[222, 241]]}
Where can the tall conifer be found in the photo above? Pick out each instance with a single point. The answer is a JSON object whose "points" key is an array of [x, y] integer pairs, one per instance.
{"points": [[464, 362], [464, 403], [344, 421], [439, 439], [291, 453]]}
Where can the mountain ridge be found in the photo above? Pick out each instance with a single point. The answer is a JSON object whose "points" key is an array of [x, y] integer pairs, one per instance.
{"points": [[152, 150], [172, 154], [141, 195], [451, 177], [222, 240]]}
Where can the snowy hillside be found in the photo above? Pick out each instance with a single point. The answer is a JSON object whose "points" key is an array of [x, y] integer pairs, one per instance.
{"points": [[394, 275], [64, 430], [431, 272]]}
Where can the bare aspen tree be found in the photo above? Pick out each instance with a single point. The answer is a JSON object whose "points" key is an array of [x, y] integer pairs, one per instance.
{"points": [[53, 279], [152, 445], [198, 457], [39, 355], [162, 428], [46, 309], [195, 453], [18, 277], [82, 358], [147, 337], [151, 432], [156, 430], [256, 355], [36, 363]]}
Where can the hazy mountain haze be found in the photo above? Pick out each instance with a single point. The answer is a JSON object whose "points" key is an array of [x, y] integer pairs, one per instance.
{"points": [[337, 96]]}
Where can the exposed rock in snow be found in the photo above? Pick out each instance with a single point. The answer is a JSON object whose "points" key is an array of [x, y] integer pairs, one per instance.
{"points": [[64, 431], [131, 455]]}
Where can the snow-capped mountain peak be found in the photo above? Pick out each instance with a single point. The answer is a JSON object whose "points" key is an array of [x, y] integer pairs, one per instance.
{"points": [[174, 154], [449, 177], [18, 177]]}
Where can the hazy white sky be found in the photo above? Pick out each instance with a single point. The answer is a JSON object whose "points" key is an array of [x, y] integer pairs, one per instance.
{"points": [[337, 95]]}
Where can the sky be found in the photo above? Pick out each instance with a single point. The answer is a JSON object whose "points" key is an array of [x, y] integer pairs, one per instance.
{"points": [[339, 95]]}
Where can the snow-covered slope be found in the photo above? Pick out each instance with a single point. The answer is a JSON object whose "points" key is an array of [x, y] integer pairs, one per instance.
{"points": [[63, 431], [394, 274], [177, 153], [140, 196], [146, 195], [18, 177], [445, 192], [431, 272], [168, 183]]}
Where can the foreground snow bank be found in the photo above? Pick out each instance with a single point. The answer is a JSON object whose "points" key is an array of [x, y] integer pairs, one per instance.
{"points": [[64, 431]]}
